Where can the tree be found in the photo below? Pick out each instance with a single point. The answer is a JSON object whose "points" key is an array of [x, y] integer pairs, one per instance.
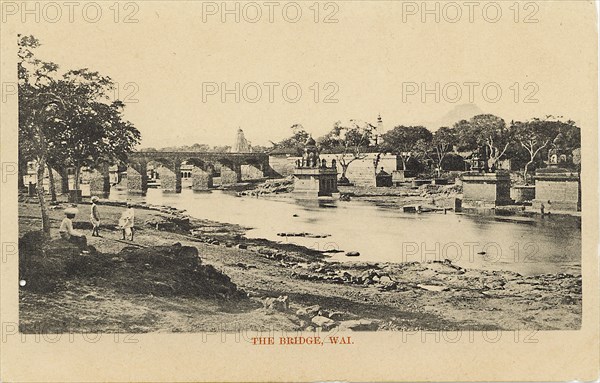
{"points": [[221, 149], [92, 131], [68, 120], [444, 140], [484, 130], [533, 137], [295, 142], [348, 141], [406, 141], [37, 108], [536, 135], [441, 144], [260, 149]]}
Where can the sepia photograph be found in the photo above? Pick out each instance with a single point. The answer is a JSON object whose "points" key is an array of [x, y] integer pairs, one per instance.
{"points": [[303, 173]]}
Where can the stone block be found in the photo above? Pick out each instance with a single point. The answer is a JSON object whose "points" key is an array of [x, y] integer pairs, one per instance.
{"points": [[485, 190], [229, 176]]}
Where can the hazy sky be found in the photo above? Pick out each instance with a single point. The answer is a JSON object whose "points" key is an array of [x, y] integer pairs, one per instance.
{"points": [[377, 55]]}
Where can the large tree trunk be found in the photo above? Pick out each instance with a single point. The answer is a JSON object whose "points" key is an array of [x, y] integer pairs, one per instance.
{"points": [[526, 170], [76, 177], [42, 197], [376, 162], [51, 182], [77, 174], [65, 180], [439, 165], [22, 167], [403, 162], [344, 169]]}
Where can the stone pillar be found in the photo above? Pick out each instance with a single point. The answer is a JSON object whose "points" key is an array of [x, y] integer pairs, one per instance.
{"points": [[170, 179], [201, 179], [251, 172], [100, 182], [230, 176], [137, 181]]}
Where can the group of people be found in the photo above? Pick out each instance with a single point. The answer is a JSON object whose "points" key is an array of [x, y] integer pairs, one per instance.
{"points": [[67, 232]]}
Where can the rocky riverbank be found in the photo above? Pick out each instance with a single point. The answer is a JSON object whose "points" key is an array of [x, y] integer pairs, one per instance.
{"points": [[184, 274], [271, 187], [441, 196]]}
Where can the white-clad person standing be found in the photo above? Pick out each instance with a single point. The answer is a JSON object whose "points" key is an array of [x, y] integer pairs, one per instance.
{"points": [[126, 222], [95, 217]]}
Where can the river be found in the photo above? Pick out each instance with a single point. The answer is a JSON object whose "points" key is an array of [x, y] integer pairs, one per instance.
{"points": [[541, 245]]}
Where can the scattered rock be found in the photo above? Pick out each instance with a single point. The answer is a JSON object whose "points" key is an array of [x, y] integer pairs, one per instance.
{"points": [[280, 303], [388, 286], [336, 315], [352, 254], [308, 312], [244, 266], [436, 288], [358, 325], [324, 313], [323, 322], [92, 297]]}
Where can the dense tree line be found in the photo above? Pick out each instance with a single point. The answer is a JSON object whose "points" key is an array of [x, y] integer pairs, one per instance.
{"points": [[525, 143]]}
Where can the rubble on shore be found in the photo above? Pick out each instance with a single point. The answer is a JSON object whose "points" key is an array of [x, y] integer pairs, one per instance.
{"points": [[271, 186]]}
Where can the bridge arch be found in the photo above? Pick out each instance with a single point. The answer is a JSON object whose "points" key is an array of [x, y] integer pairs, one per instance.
{"points": [[168, 170], [200, 172], [229, 170]]}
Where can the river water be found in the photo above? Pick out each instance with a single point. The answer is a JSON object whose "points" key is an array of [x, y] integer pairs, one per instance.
{"points": [[382, 234]]}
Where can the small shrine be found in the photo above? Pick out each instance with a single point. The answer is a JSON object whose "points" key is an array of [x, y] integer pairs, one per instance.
{"points": [[558, 186], [383, 179], [313, 176], [483, 187]]}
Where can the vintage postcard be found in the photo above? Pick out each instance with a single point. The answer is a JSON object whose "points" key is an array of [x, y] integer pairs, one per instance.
{"points": [[299, 191]]}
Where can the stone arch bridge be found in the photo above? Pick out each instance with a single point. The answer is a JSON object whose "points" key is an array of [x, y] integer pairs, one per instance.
{"points": [[233, 168]]}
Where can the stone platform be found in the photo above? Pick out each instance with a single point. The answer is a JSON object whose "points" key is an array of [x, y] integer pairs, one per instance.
{"points": [[317, 182], [485, 190], [561, 187]]}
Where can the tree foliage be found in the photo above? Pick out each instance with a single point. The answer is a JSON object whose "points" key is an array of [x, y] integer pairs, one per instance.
{"points": [[349, 142], [536, 136], [67, 120], [406, 141], [484, 130], [295, 142]]}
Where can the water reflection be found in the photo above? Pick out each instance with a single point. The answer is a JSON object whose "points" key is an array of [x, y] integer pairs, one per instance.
{"points": [[528, 246]]}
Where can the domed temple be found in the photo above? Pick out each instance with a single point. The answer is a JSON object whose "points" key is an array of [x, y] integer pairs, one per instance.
{"points": [[313, 176]]}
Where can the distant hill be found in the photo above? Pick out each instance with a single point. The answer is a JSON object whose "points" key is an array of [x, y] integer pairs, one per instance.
{"points": [[459, 112]]}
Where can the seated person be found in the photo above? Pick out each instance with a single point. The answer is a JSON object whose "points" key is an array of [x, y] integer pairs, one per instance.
{"points": [[68, 233]]}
